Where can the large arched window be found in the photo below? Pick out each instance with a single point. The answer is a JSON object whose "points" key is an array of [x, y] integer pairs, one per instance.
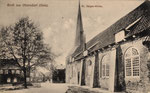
{"points": [[132, 63], [105, 67]]}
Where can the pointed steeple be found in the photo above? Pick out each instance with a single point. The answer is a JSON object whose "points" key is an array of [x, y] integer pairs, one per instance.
{"points": [[79, 39]]}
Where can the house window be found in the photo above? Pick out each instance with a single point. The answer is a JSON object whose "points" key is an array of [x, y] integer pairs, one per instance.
{"points": [[9, 71], [13, 71], [1, 71], [15, 80], [105, 67], [132, 63], [28, 79], [17, 71], [6, 71], [8, 80]]}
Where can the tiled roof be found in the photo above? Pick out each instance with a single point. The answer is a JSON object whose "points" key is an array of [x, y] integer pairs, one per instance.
{"points": [[107, 36], [142, 25], [77, 51]]}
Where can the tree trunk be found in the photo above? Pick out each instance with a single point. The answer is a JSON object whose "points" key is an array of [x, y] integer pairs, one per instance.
{"points": [[29, 70], [25, 78]]}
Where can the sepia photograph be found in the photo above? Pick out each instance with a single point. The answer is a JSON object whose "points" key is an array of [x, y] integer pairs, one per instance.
{"points": [[74, 46]]}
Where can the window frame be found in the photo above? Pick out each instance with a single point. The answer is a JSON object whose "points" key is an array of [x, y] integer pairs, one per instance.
{"points": [[104, 67], [131, 57]]}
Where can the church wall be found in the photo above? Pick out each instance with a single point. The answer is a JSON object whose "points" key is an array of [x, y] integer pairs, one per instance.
{"points": [[78, 71], [73, 72], [131, 84], [103, 81], [89, 71], [68, 73], [140, 84]]}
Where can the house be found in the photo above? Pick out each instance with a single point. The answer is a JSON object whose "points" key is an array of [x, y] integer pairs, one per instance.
{"points": [[118, 58], [59, 74], [37, 76], [10, 73]]}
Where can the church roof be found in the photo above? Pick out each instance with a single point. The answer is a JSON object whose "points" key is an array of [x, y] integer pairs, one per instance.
{"points": [[77, 51], [107, 36]]}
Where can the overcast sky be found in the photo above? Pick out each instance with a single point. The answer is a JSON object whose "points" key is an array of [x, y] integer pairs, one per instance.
{"points": [[58, 20]]}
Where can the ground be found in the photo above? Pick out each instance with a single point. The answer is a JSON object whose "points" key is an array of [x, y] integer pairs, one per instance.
{"points": [[48, 87], [45, 88]]}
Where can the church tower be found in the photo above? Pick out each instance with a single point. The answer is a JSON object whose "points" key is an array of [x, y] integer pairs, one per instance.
{"points": [[80, 37]]}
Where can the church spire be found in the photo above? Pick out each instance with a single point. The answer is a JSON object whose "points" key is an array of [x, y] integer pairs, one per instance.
{"points": [[79, 40]]}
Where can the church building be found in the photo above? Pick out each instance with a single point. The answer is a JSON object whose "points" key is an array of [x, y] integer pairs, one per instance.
{"points": [[118, 58]]}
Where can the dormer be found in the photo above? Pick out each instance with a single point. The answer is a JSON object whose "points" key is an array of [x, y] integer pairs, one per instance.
{"points": [[119, 36]]}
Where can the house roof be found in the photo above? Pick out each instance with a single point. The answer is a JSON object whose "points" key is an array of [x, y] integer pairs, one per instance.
{"points": [[60, 67], [8, 64], [107, 36]]}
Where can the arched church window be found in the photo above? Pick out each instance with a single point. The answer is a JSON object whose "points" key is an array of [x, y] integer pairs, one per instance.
{"points": [[132, 63], [105, 66]]}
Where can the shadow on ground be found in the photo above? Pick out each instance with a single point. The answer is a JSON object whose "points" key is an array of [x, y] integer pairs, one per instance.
{"points": [[18, 87]]}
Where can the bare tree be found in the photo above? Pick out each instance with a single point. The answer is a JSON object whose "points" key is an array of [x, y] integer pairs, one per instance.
{"points": [[24, 43]]}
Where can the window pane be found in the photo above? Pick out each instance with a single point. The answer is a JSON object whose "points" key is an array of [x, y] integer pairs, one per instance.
{"points": [[128, 53], [128, 67], [136, 66], [105, 65], [6, 71], [13, 71], [17, 71], [8, 80], [107, 70], [1, 71], [128, 63], [103, 69], [134, 51], [15, 80], [128, 71], [136, 61]]}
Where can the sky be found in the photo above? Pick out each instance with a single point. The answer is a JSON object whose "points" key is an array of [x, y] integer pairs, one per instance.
{"points": [[57, 18]]}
